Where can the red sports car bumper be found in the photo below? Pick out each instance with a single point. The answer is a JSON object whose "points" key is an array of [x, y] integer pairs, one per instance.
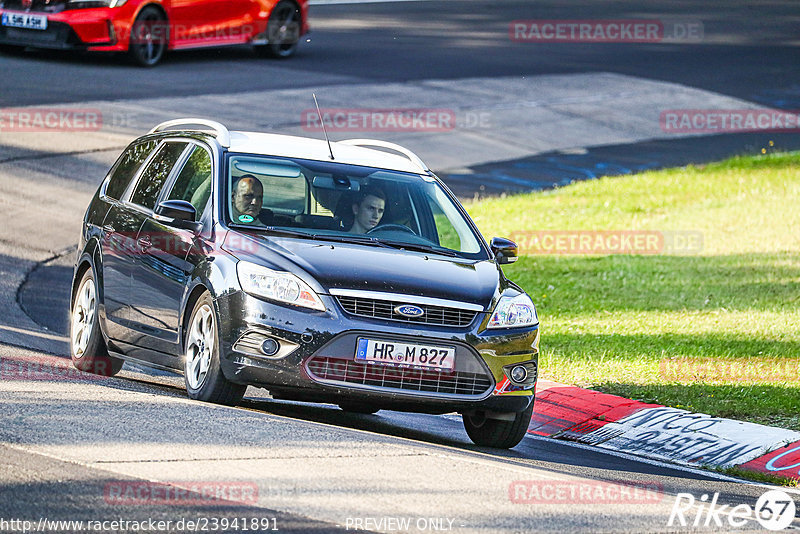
{"points": [[92, 29], [109, 29]]}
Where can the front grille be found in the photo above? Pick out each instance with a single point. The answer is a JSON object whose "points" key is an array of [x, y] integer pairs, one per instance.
{"points": [[384, 309], [45, 6], [399, 378]]}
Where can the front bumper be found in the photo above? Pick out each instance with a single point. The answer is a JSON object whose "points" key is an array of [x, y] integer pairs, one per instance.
{"points": [[96, 29], [320, 365]]}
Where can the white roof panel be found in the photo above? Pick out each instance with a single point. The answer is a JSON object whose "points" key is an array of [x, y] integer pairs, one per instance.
{"points": [[317, 149]]}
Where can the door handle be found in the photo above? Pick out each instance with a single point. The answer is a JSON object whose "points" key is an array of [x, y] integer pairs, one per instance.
{"points": [[108, 228], [144, 243]]}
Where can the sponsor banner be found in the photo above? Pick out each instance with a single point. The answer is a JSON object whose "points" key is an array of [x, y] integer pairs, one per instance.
{"points": [[144, 493], [689, 438], [710, 121], [584, 492], [606, 31], [39, 120]]}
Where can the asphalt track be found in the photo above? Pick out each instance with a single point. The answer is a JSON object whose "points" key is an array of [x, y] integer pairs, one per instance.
{"points": [[64, 440]]}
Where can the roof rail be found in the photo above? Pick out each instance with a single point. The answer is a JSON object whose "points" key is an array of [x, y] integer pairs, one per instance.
{"points": [[390, 146], [219, 130]]}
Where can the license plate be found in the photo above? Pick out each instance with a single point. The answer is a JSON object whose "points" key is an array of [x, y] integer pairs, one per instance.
{"points": [[416, 355], [25, 20]]}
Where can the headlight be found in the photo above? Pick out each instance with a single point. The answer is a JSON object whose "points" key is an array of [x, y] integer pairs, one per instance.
{"points": [[514, 312], [279, 286], [78, 4]]}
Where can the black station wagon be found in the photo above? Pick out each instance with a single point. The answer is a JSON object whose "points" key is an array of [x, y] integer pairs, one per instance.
{"points": [[345, 273]]}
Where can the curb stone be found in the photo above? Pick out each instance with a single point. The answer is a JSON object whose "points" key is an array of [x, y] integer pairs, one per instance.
{"points": [[663, 433]]}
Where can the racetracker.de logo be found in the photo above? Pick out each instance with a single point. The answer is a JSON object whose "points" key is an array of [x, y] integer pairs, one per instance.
{"points": [[48, 368], [132, 493], [196, 31], [753, 370], [686, 121], [584, 492], [39, 120], [606, 31], [379, 120], [569, 242]]}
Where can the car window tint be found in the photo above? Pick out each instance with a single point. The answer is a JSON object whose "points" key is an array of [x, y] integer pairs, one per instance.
{"points": [[284, 184], [156, 174], [447, 236], [127, 167], [194, 181]]}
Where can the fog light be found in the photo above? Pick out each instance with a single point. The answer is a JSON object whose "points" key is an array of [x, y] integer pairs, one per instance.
{"points": [[270, 347], [518, 373]]}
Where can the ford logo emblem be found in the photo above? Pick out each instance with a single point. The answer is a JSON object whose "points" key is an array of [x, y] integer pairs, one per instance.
{"points": [[409, 310]]}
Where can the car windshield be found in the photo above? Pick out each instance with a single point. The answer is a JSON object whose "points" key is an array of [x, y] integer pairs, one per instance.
{"points": [[339, 202]]}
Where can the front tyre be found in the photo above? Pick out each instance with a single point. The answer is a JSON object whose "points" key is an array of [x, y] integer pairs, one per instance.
{"points": [[497, 433], [86, 345], [283, 31], [149, 37], [202, 372]]}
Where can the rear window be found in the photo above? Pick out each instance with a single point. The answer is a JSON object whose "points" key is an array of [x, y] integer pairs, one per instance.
{"points": [[126, 168], [156, 173]]}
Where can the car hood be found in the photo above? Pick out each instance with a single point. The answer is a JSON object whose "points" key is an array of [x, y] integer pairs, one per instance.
{"points": [[336, 265]]}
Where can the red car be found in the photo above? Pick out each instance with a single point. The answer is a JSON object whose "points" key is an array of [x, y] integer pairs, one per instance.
{"points": [[145, 29]]}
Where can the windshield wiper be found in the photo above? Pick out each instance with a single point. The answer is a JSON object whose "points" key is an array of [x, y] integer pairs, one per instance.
{"points": [[355, 238], [418, 247], [361, 240]]}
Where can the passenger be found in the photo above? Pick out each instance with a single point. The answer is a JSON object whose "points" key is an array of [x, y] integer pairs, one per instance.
{"points": [[248, 195], [368, 210]]}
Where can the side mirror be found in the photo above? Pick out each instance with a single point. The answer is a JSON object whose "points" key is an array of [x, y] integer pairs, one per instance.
{"points": [[181, 212], [504, 250]]}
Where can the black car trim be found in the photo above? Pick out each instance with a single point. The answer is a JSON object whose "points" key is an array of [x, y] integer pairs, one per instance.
{"points": [[410, 299], [464, 348]]}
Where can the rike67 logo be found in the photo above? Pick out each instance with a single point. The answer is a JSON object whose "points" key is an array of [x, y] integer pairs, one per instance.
{"points": [[775, 510]]}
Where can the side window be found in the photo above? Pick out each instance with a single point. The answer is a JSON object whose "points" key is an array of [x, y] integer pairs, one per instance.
{"points": [[156, 173], [194, 182], [127, 167], [447, 234]]}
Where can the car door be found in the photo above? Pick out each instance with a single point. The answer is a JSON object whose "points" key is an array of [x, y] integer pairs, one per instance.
{"points": [[144, 311], [162, 279], [117, 245], [202, 22]]}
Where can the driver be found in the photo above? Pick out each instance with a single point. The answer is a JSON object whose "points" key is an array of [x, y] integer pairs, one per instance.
{"points": [[368, 210], [248, 195]]}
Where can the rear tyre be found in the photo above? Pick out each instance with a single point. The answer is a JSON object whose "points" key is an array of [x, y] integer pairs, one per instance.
{"points": [[355, 407], [496, 433], [283, 31], [149, 37], [87, 348], [202, 372]]}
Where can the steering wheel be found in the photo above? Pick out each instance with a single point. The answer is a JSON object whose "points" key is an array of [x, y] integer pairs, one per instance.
{"points": [[391, 227]]}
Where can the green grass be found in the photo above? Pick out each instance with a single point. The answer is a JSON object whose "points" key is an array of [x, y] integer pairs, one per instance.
{"points": [[756, 476], [727, 316]]}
